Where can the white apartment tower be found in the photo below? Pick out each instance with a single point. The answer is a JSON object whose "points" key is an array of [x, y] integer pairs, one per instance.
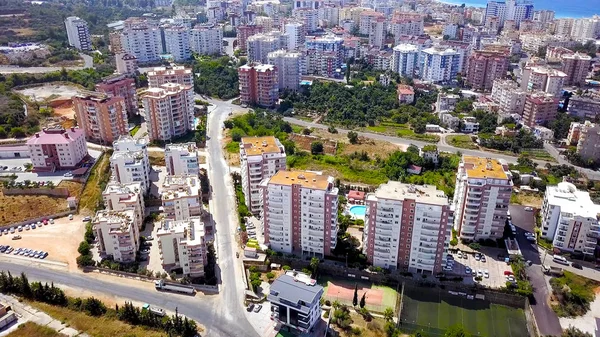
{"points": [[300, 212], [182, 244], [288, 66], [481, 198], [182, 159], [260, 45], [439, 65], [207, 39], [78, 33], [177, 74], [509, 97], [570, 219], [181, 197], [129, 162], [170, 111], [177, 42], [260, 158], [117, 234], [124, 197], [142, 39], [296, 34], [407, 227], [404, 59]]}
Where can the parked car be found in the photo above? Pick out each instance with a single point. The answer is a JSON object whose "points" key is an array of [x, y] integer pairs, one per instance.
{"points": [[560, 259], [12, 230], [149, 238], [511, 278], [16, 237], [576, 265], [480, 273], [257, 308], [508, 272], [529, 209], [531, 239], [468, 271], [68, 174], [70, 216], [87, 218], [17, 251], [27, 227], [250, 307], [20, 228], [486, 274], [51, 221]]}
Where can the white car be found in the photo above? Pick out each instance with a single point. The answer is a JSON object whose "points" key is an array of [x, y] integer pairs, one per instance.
{"points": [[68, 174], [511, 278], [529, 209], [479, 273], [486, 274], [560, 259]]}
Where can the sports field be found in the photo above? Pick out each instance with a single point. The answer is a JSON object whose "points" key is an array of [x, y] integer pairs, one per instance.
{"points": [[432, 312], [377, 298]]}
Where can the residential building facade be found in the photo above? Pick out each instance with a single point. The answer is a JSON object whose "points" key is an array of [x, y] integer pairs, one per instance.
{"points": [[484, 67], [207, 39], [183, 245], [142, 39], [169, 111], [124, 197], [129, 162], [405, 59], [539, 108], [259, 84], [439, 65], [588, 147], [117, 234], [543, 78], [509, 97], [78, 33], [182, 159], [163, 75], [121, 86], [288, 66], [177, 42], [103, 119], [181, 197], [577, 67], [57, 149]]}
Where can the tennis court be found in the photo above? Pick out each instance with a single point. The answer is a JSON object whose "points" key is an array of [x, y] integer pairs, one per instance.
{"points": [[377, 298], [433, 311]]}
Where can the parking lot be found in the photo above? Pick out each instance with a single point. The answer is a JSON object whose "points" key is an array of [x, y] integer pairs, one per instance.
{"points": [[494, 265], [60, 240]]}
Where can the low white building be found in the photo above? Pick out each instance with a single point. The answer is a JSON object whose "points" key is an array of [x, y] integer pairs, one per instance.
{"points": [[129, 162], [182, 245], [123, 197], [117, 234], [430, 152], [182, 158], [181, 197], [469, 125], [570, 219]]}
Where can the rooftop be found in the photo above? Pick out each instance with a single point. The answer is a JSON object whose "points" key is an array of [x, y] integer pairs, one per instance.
{"points": [[55, 136], [186, 148], [127, 192], [191, 230], [254, 146], [123, 219], [295, 289], [179, 186], [169, 71], [395, 190], [306, 179], [572, 200], [478, 167]]}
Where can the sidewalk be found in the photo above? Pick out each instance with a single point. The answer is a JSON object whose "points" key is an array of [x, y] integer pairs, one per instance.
{"points": [[26, 313]]}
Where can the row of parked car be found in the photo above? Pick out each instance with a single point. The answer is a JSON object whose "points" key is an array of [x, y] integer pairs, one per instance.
{"points": [[27, 227], [37, 254]]}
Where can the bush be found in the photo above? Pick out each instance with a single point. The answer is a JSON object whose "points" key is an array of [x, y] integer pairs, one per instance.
{"points": [[270, 275], [85, 260], [475, 246], [84, 248], [454, 242], [286, 268]]}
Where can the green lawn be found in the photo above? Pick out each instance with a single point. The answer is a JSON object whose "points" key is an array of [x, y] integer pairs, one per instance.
{"points": [[390, 295], [134, 130], [433, 312], [540, 154], [233, 147], [401, 130], [461, 141]]}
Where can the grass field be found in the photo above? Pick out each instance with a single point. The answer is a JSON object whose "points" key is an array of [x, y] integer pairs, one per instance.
{"points": [[388, 296], [30, 329], [462, 141], [433, 312], [92, 192]]}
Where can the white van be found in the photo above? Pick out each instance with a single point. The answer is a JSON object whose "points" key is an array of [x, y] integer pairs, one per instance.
{"points": [[560, 259]]}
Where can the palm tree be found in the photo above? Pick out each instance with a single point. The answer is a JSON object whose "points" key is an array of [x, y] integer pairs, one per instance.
{"points": [[388, 314]]}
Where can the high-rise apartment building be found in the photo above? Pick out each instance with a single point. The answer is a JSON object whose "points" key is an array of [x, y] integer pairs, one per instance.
{"points": [[259, 84], [124, 197], [324, 55], [169, 111], [207, 39], [126, 64], [407, 227], [377, 32], [260, 159], [177, 74], [57, 149], [570, 219], [244, 32], [540, 107], [300, 212], [121, 86], [129, 162], [481, 198], [577, 67], [586, 28], [485, 67], [366, 18], [408, 25], [78, 33], [177, 42], [439, 65], [117, 234], [309, 18], [508, 96], [260, 45], [181, 197], [183, 245], [588, 147], [405, 58], [103, 119], [513, 10], [288, 66], [543, 78], [182, 159], [142, 39], [296, 35]]}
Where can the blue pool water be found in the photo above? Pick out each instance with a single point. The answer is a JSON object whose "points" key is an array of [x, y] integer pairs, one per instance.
{"points": [[358, 211]]}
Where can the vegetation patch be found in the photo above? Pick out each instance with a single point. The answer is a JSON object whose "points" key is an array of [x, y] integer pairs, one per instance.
{"points": [[573, 293], [91, 198], [462, 141], [30, 329]]}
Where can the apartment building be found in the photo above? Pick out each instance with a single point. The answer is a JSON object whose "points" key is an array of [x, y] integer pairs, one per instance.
{"points": [[585, 106], [543, 78], [129, 162], [309, 18], [377, 32], [117, 234], [539, 107], [124, 197], [577, 67], [570, 219], [142, 38], [57, 149], [446, 101], [481, 198], [407, 227], [588, 147], [463, 49], [177, 42], [260, 158], [182, 159], [575, 132], [509, 97], [163, 75], [406, 94], [182, 244], [288, 66], [296, 35], [324, 55], [102, 118], [406, 26], [169, 111], [405, 59], [512, 10], [126, 64], [244, 32], [585, 29], [259, 84], [329, 15], [439, 65], [260, 45], [78, 33], [300, 212], [294, 298], [121, 86], [207, 39], [484, 67], [181, 197], [366, 18]]}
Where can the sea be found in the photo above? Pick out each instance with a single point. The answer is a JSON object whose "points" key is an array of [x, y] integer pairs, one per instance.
{"points": [[562, 8]]}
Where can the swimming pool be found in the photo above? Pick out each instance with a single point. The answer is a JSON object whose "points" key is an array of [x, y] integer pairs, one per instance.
{"points": [[358, 210]]}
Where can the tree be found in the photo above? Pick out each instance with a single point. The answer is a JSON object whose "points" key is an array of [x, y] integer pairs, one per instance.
{"points": [[457, 331], [84, 248], [353, 137], [314, 264], [572, 331], [363, 300], [388, 314], [316, 148], [306, 132], [355, 298]]}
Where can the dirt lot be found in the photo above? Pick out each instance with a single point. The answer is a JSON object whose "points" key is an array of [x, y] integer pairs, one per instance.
{"points": [[45, 91], [17, 208], [304, 142], [60, 240], [371, 146]]}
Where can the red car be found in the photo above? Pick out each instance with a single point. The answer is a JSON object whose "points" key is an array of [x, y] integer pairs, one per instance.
{"points": [[508, 272]]}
